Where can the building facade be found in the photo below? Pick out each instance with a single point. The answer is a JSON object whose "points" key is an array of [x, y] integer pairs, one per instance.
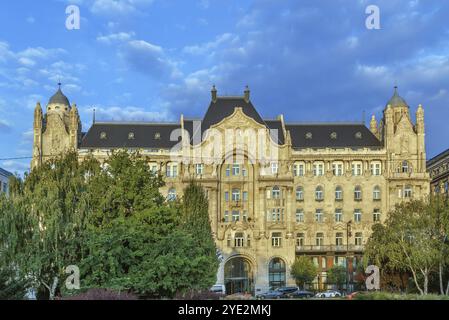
{"points": [[4, 181], [438, 168], [276, 189]]}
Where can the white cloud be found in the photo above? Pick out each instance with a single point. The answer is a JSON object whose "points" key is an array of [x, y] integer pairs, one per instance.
{"points": [[208, 47], [129, 113], [116, 37], [114, 7]]}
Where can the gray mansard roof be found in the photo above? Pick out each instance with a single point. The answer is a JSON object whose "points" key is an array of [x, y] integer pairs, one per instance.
{"points": [[157, 135]]}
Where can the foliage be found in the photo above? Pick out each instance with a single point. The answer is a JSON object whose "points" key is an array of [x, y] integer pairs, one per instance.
{"points": [[379, 295], [102, 294], [337, 275], [303, 271], [12, 287]]}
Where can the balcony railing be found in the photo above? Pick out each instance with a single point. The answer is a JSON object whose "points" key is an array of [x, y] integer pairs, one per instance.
{"points": [[330, 248]]}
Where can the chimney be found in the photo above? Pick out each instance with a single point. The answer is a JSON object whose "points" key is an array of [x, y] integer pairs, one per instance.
{"points": [[214, 94], [246, 94]]}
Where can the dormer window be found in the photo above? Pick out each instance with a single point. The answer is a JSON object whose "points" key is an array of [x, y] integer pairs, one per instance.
{"points": [[131, 136], [309, 135], [358, 135], [103, 136], [157, 136], [334, 135]]}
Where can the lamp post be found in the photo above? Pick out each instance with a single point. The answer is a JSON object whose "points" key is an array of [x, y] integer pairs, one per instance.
{"points": [[348, 235]]}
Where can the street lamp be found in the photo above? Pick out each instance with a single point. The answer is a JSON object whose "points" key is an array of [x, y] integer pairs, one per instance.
{"points": [[348, 235]]}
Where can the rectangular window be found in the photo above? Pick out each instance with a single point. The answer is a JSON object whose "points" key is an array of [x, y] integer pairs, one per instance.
{"points": [[274, 168], [298, 170], [172, 171], [376, 169], [235, 169], [356, 169], [376, 215], [239, 239], [277, 215], [245, 215], [199, 169], [339, 239], [319, 239], [244, 172], [245, 195], [300, 239], [235, 216], [226, 196], [338, 215], [318, 169], [226, 216], [228, 171], [276, 239], [235, 195], [337, 169], [358, 238], [299, 215], [319, 215], [357, 215]]}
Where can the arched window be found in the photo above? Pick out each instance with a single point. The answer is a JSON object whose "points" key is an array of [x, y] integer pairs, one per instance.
{"points": [[319, 193], [299, 193], [376, 193], [358, 193], [276, 192], [171, 194], [276, 273], [338, 193]]}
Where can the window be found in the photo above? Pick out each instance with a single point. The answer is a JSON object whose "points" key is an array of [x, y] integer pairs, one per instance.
{"points": [[298, 169], [357, 193], [274, 168], [235, 169], [299, 194], [339, 239], [131, 136], [376, 215], [299, 215], [338, 215], [171, 194], [376, 193], [358, 135], [248, 241], [235, 216], [228, 171], [309, 135], [318, 215], [338, 193], [244, 172], [245, 195], [226, 216], [277, 215], [103, 136], [333, 135], [276, 192], [318, 169], [319, 239], [319, 194], [358, 238], [239, 239], [276, 273], [157, 136], [300, 239], [226, 195], [357, 215], [153, 167], [356, 168], [228, 240], [235, 195], [276, 239], [172, 170], [337, 168], [199, 169], [408, 191], [245, 215], [405, 166], [376, 169]]}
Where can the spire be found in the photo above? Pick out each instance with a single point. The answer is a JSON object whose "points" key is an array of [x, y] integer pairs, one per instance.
{"points": [[373, 124], [93, 120], [214, 94], [246, 94]]}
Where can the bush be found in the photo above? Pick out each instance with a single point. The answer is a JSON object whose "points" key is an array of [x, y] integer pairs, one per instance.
{"points": [[102, 294], [397, 296], [198, 295]]}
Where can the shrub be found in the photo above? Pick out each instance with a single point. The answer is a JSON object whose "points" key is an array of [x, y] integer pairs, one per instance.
{"points": [[102, 294]]}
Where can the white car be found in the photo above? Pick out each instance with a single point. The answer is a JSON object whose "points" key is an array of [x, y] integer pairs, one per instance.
{"points": [[218, 288], [328, 294]]}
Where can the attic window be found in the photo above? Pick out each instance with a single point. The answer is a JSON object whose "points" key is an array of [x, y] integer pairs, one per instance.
{"points": [[333, 135], [309, 135], [103, 136], [157, 136], [358, 135], [131, 136]]}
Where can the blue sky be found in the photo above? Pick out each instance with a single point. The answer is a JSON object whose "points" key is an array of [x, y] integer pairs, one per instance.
{"points": [[138, 60]]}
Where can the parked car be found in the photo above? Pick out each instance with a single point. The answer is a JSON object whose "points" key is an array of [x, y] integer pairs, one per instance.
{"points": [[299, 294], [277, 293], [218, 289], [328, 294]]}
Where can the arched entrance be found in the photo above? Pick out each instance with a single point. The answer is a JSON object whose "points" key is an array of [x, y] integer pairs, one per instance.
{"points": [[238, 276], [276, 273]]}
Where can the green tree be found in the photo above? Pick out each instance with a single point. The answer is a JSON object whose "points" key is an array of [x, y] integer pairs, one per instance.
{"points": [[303, 271], [337, 275], [12, 285]]}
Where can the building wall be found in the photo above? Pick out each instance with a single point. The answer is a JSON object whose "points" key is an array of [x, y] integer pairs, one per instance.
{"points": [[4, 181]]}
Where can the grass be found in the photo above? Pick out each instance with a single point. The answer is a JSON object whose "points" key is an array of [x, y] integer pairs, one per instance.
{"points": [[397, 296]]}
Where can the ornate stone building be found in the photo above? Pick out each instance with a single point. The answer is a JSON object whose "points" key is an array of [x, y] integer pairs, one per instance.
{"points": [[438, 168], [276, 189]]}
